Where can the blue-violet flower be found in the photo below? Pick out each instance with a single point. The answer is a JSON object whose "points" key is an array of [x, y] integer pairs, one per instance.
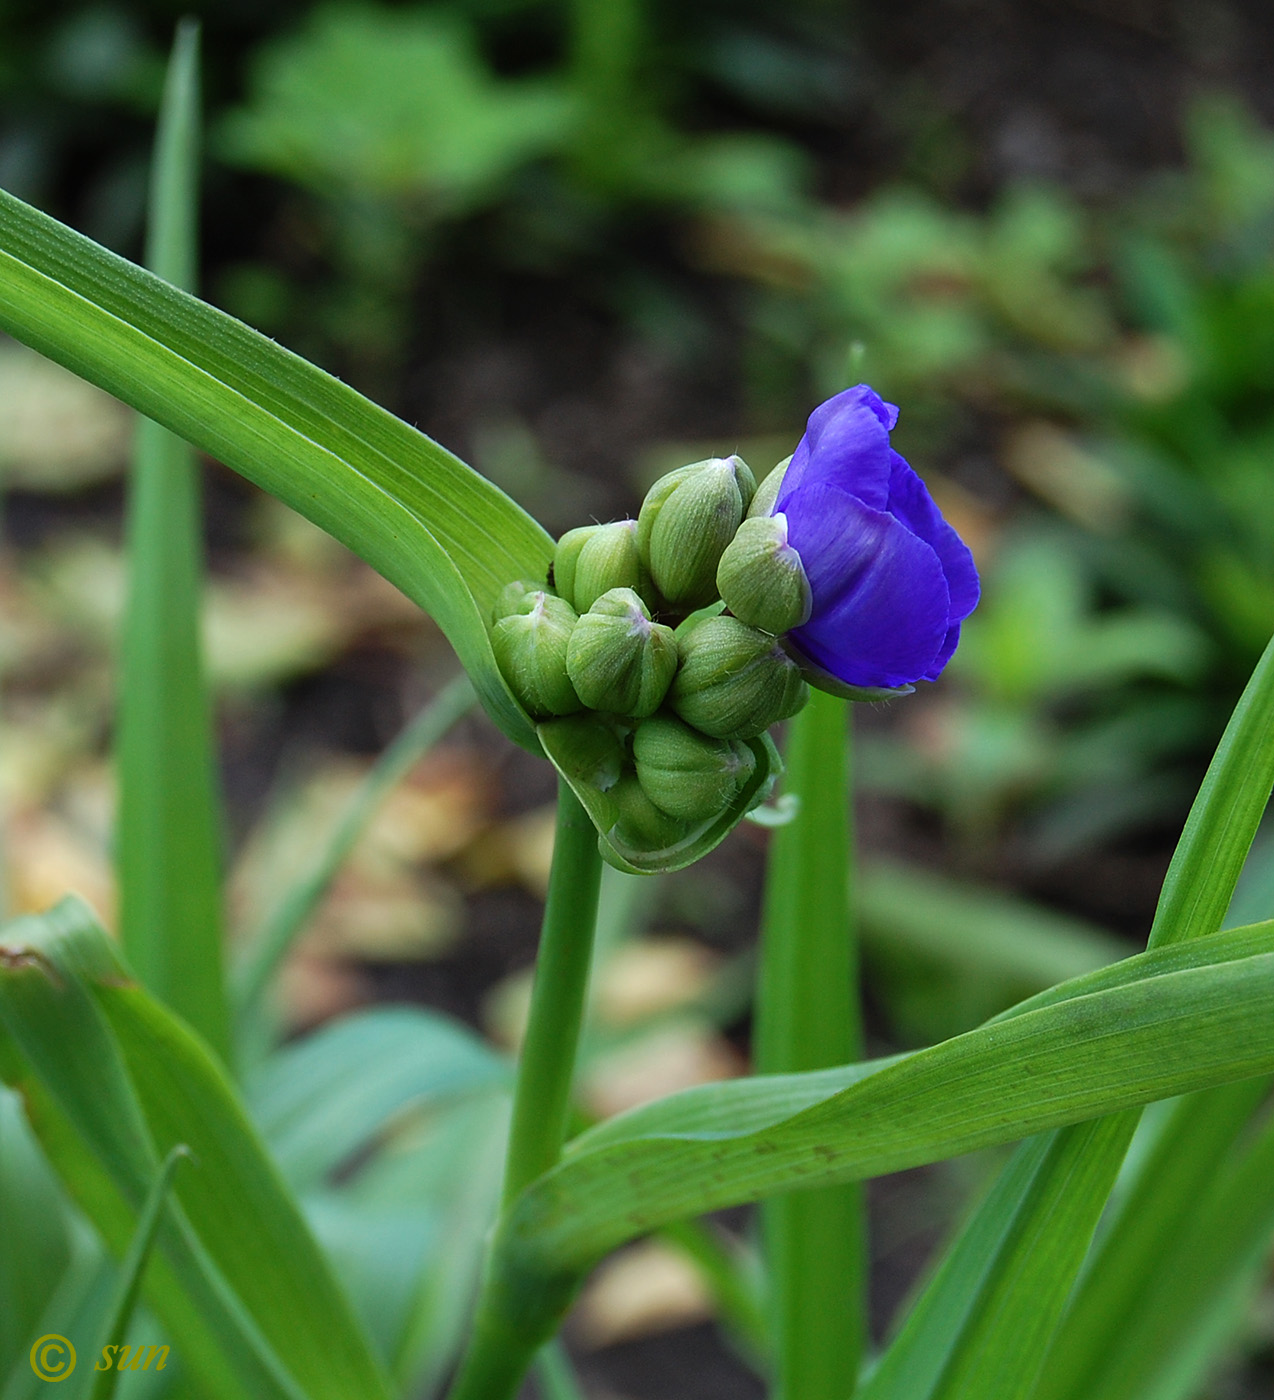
{"points": [[891, 580]]}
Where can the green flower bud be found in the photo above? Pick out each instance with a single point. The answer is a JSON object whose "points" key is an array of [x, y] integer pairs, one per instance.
{"points": [[686, 521], [761, 578], [530, 647], [685, 773], [639, 822], [768, 491], [734, 681], [519, 597], [618, 659], [594, 559]]}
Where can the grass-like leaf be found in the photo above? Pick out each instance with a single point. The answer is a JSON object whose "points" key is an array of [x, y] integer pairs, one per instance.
{"points": [[169, 835], [128, 1287], [1041, 1234], [111, 1080], [439, 531], [1154, 1026], [807, 1018]]}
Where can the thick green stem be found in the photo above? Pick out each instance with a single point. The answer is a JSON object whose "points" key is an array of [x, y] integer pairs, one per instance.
{"points": [[807, 1018], [541, 1101], [498, 1356]]}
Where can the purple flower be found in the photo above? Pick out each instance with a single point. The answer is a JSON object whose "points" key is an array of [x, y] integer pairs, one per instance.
{"points": [[891, 580]]}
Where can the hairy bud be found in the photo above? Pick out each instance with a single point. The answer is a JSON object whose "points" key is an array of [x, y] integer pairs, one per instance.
{"points": [[639, 822], [594, 559], [734, 680], [768, 491], [686, 773], [618, 659], [686, 521], [761, 578], [530, 639]]}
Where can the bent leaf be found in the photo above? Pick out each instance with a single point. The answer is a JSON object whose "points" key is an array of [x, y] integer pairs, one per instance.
{"points": [[448, 538], [112, 1079], [1157, 1025]]}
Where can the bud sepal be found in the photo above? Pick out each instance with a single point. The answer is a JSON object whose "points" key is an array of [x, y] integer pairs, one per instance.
{"points": [[686, 521], [619, 660], [593, 559], [530, 640], [685, 773], [761, 578], [734, 681]]}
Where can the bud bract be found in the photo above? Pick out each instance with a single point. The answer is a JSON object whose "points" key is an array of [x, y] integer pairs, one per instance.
{"points": [[686, 773], [761, 578], [686, 521], [768, 491], [618, 659], [734, 680], [639, 822], [530, 644], [594, 559]]}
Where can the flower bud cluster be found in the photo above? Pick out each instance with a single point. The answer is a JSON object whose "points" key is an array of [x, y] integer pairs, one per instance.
{"points": [[631, 625]]}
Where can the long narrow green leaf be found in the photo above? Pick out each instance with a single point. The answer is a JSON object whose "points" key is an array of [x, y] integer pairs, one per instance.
{"points": [[1032, 1276], [1175, 1020], [131, 1271], [1155, 1264], [35, 1241], [914, 1361], [218, 1342], [444, 535], [807, 1018], [1111, 1330], [266, 948], [169, 832], [111, 1078]]}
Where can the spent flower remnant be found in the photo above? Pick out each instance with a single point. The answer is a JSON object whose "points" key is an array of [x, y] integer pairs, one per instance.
{"points": [[837, 570]]}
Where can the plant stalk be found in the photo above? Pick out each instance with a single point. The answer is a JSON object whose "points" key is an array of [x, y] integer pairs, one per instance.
{"points": [[497, 1356], [542, 1096], [808, 1018]]}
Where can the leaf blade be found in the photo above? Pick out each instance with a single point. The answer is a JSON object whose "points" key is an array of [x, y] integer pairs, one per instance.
{"points": [[445, 536], [169, 825]]}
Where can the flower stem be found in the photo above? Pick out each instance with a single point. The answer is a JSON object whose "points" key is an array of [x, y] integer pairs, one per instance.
{"points": [[541, 1100], [807, 1017], [497, 1356]]}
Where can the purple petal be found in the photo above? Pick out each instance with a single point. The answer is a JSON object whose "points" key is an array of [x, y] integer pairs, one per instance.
{"points": [[846, 444], [945, 653], [881, 603], [910, 502]]}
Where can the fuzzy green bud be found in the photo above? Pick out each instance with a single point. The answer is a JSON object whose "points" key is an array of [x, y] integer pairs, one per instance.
{"points": [[530, 644], [761, 578], [639, 822], [686, 521], [768, 491], [593, 559], [735, 680], [618, 659], [514, 598], [685, 773]]}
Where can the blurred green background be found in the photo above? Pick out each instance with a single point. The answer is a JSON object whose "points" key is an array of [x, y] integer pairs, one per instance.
{"points": [[583, 241]]}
